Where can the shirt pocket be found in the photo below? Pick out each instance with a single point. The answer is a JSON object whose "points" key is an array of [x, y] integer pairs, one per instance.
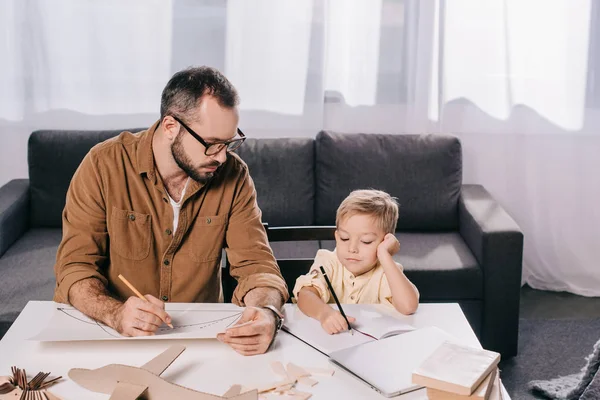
{"points": [[206, 238], [130, 234]]}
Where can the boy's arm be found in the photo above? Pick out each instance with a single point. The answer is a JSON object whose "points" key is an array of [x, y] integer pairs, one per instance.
{"points": [[310, 290], [311, 303], [313, 294], [405, 296]]}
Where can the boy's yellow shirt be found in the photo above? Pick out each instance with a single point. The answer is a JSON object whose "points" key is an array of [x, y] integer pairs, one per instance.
{"points": [[369, 288]]}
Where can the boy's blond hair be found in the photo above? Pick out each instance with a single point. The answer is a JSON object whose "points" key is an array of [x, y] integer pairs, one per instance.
{"points": [[376, 203]]}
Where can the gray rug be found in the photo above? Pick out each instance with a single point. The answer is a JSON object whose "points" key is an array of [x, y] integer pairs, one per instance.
{"points": [[548, 349], [581, 386]]}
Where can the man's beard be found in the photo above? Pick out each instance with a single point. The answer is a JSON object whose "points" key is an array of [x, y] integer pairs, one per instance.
{"points": [[185, 163]]}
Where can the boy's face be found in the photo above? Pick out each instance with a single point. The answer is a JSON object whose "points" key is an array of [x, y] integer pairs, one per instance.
{"points": [[357, 238]]}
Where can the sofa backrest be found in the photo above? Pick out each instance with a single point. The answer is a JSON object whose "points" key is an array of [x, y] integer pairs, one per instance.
{"points": [[423, 171], [299, 181], [284, 176], [282, 169], [53, 157]]}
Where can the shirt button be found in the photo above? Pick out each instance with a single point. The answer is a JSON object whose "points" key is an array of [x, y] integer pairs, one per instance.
{"points": [[168, 232], [352, 297], [166, 262], [208, 220], [132, 217], [165, 298]]}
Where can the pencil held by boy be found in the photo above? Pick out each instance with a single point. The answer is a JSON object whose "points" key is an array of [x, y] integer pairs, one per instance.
{"points": [[361, 269]]}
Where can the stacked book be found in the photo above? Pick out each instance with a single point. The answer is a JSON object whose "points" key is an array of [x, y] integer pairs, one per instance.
{"points": [[457, 372]]}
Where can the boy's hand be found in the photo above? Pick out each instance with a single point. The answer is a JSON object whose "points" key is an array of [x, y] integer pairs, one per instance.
{"points": [[389, 246], [333, 321]]}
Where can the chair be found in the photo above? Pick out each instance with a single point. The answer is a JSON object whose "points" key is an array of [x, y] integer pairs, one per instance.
{"points": [[291, 268]]}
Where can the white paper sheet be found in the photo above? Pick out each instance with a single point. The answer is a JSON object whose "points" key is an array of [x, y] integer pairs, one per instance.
{"points": [[69, 324], [368, 320]]}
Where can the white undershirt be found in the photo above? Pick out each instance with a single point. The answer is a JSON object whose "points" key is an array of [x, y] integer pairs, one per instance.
{"points": [[177, 206]]}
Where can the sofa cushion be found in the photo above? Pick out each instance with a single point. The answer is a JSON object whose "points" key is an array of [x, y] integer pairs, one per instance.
{"points": [[423, 171], [53, 157], [27, 271], [283, 173], [439, 264]]}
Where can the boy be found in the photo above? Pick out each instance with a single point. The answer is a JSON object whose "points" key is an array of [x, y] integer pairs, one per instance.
{"points": [[361, 267]]}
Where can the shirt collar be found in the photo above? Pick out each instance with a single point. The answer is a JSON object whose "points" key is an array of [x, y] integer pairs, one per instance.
{"points": [[145, 155]]}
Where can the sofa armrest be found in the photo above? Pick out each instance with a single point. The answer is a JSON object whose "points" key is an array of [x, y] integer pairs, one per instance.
{"points": [[497, 243], [14, 212]]}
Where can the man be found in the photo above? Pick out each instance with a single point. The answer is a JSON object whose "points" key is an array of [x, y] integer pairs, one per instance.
{"points": [[157, 207]]}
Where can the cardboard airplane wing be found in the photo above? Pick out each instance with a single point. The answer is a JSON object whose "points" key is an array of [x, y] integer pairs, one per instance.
{"points": [[127, 391], [124, 382], [161, 362]]}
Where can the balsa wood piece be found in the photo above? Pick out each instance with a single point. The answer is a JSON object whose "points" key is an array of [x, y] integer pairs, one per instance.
{"points": [[307, 381], [110, 378], [285, 388], [275, 385], [296, 371], [279, 369], [278, 396]]}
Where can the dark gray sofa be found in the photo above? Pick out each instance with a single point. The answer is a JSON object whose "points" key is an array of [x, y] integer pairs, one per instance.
{"points": [[457, 243]]}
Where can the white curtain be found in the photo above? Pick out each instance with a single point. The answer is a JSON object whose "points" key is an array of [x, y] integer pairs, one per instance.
{"points": [[524, 97], [517, 80]]}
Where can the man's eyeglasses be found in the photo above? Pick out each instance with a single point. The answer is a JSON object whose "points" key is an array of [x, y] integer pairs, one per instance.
{"points": [[211, 149]]}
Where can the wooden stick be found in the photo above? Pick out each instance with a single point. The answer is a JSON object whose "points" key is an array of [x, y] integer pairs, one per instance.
{"points": [[50, 382], [137, 293]]}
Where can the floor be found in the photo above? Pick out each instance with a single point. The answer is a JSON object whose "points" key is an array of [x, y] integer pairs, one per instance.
{"points": [[538, 304], [557, 331]]}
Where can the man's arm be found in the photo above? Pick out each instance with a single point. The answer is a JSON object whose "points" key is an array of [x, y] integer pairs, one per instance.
{"points": [[83, 255], [253, 265], [251, 258], [83, 251], [135, 317], [263, 296]]}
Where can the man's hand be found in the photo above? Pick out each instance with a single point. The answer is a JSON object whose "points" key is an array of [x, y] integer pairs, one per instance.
{"points": [[252, 334], [137, 317], [333, 321], [388, 247]]}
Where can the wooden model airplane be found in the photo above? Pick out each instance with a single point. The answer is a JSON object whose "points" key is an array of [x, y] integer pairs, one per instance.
{"points": [[125, 382]]}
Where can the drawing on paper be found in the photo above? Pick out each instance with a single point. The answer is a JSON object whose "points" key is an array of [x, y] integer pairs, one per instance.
{"points": [[69, 324]]}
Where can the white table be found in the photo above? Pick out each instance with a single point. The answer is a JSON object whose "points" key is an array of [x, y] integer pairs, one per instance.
{"points": [[206, 364]]}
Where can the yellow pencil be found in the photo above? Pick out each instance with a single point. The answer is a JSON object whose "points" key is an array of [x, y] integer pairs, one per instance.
{"points": [[138, 294]]}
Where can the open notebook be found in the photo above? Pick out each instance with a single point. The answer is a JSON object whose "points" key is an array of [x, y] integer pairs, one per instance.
{"points": [[387, 365], [368, 320]]}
